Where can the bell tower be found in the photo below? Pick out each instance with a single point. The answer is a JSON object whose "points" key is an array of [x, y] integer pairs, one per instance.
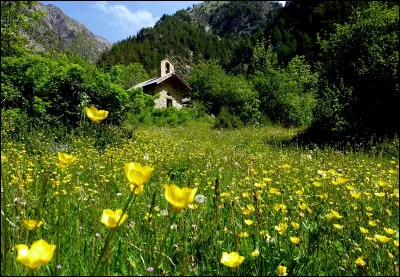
{"points": [[165, 67]]}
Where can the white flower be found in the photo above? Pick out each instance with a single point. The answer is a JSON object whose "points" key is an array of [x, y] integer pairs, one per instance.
{"points": [[174, 226], [164, 212], [309, 157], [146, 157], [119, 194], [200, 198], [236, 164]]}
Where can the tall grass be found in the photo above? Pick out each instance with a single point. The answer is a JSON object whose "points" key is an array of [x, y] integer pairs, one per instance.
{"points": [[245, 174]]}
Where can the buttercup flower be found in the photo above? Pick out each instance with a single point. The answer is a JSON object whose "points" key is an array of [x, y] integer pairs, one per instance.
{"points": [[281, 228], [338, 226], [32, 224], [96, 115], [255, 253], [389, 231], [137, 175], [178, 197], [360, 262], [295, 225], [381, 239], [232, 259], [282, 270], [39, 254], [373, 223], [333, 215], [363, 230], [295, 240], [65, 158], [110, 218]]}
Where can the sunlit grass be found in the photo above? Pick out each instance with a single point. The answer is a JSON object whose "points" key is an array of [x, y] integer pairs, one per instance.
{"points": [[313, 211]]}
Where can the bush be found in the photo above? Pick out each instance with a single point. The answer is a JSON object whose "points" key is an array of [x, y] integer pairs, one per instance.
{"points": [[227, 120], [287, 96], [215, 89], [55, 91]]}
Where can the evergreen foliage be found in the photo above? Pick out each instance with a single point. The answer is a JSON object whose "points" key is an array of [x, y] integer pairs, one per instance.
{"points": [[171, 35]]}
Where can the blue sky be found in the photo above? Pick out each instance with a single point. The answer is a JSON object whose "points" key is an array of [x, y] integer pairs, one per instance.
{"points": [[116, 20]]}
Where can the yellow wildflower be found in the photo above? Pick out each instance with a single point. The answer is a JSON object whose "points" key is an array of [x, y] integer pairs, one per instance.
{"points": [[232, 259], [382, 183], [333, 215], [339, 181], [137, 174], [32, 224], [39, 254], [317, 184], [363, 230], [295, 225], [282, 270], [299, 192], [96, 116], [281, 228], [111, 218], [381, 239], [303, 206], [295, 240], [373, 223], [338, 227], [274, 191], [355, 194], [65, 158], [251, 208], [360, 262], [277, 207], [255, 253], [248, 221], [389, 231], [178, 197]]}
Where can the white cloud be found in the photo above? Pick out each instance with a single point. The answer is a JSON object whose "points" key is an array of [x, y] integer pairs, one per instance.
{"points": [[120, 15]]}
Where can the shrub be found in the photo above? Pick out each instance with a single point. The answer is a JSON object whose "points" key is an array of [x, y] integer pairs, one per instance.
{"points": [[55, 91], [215, 89], [227, 120]]}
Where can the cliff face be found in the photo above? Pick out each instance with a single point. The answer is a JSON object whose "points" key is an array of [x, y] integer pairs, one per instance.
{"points": [[57, 31], [234, 18]]}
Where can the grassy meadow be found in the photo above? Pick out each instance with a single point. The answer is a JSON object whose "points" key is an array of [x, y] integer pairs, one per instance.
{"points": [[287, 209]]}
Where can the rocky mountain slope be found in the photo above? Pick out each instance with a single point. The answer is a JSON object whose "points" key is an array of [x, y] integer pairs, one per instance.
{"points": [[57, 31], [209, 30], [234, 18]]}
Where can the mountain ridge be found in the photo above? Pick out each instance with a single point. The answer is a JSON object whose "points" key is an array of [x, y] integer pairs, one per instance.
{"points": [[56, 30]]}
